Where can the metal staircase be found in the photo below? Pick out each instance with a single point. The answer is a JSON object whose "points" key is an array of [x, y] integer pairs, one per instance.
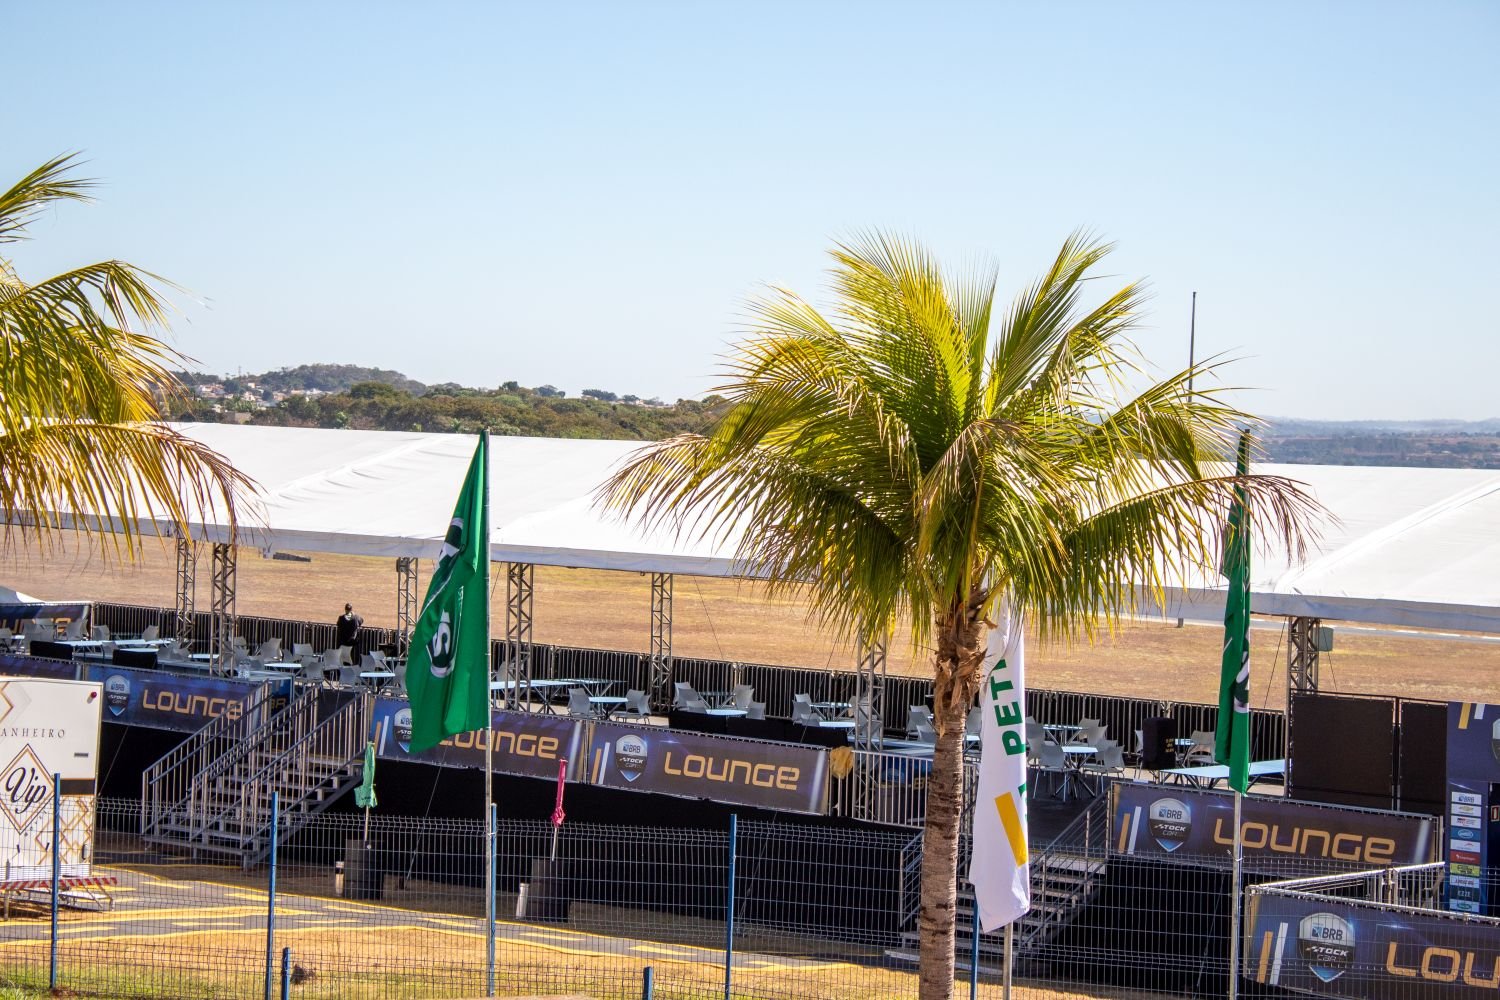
{"points": [[213, 793], [1065, 876]]}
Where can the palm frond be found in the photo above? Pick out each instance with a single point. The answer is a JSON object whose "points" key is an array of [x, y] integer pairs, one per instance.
{"points": [[44, 185], [107, 479]]}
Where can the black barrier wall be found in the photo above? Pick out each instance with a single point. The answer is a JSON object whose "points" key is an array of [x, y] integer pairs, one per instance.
{"points": [[774, 684]]}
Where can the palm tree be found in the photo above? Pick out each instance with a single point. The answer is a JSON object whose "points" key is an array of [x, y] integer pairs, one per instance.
{"points": [[82, 384], [911, 453]]}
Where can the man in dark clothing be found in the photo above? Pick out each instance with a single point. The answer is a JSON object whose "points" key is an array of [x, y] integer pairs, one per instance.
{"points": [[346, 630]]}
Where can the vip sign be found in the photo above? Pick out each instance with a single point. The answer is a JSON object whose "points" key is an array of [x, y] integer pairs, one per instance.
{"points": [[47, 727]]}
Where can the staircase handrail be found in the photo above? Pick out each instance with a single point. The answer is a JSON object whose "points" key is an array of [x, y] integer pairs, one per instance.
{"points": [[911, 881], [299, 715], [349, 743], [1088, 831], [198, 752]]}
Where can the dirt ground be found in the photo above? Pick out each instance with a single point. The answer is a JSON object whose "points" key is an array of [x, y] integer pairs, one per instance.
{"points": [[727, 619]]}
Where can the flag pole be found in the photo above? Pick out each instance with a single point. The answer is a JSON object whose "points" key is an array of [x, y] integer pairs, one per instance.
{"points": [[1010, 944], [491, 834], [1234, 901]]}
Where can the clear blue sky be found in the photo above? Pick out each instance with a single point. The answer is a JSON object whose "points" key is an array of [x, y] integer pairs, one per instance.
{"points": [[584, 194]]}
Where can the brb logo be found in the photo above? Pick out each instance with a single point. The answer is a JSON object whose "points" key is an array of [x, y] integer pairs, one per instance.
{"points": [[1170, 821], [401, 729], [1326, 943], [25, 788], [630, 756], [117, 693]]}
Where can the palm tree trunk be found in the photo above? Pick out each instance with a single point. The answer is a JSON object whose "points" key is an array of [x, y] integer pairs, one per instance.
{"points": [[960, 637]]}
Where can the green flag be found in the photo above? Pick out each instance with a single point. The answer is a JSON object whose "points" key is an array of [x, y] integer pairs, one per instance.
{"points": [[364, 794], [1232, 744], [448, 665]]}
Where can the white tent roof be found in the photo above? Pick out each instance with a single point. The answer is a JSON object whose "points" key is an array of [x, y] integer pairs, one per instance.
{"points": [[1412, 547], [12, 596]]}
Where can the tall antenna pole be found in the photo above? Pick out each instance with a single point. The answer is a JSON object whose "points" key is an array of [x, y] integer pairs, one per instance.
{"points": [[491, 839], [1192, 339]]}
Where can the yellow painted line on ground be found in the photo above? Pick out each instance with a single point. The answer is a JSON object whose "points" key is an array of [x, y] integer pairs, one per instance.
{"points": [[166, 911], [521, 933], [664, 949]]}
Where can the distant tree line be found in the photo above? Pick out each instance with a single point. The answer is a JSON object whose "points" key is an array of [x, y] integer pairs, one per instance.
{"points": [[381, 399], [511, 409], [1428, 450]]}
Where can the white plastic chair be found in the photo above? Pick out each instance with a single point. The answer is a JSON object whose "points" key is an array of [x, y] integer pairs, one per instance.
{"points": [[270, 649], [803, 714], [683, 693], [150, 633], [637, 706], [755, 710], [743, 695], [916, 717], [579, 706], [99, 633]]}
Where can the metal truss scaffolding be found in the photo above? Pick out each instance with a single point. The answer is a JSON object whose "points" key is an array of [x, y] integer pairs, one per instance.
{"points": [[406, 601], [869, 694], [519, 582], [660, 657], [869, 720], [1302, 657], [187, 574], [223, 604]]}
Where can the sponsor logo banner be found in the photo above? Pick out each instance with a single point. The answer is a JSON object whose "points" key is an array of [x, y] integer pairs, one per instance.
{"points": [[1472, 822], [1462, 810], [524, 743], [703, 766], [1195, 823], [1468, 798], [165, 701], [26, 666], [1331, 947]]}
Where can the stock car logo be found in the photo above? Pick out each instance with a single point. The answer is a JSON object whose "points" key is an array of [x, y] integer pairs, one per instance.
{"points": [[1170, 821], [630, 756], [117, 693], [1326, 943], [401, 729]]}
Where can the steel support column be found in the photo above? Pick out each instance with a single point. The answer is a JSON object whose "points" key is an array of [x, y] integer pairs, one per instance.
{"points": [[659, 660], [187, 590], [223, 604], [869, 721], [1302, 657], [406, 601], [519, 588], [869, 694]]}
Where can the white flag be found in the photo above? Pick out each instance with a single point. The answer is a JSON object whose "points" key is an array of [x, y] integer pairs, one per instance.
{"points": [[999, 868]]}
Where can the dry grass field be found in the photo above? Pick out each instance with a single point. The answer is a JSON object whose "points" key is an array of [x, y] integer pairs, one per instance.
{"points": [[729, 619]]}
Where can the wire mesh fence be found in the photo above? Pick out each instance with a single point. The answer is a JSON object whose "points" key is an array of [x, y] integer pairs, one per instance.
{"points": [[397, 907]]}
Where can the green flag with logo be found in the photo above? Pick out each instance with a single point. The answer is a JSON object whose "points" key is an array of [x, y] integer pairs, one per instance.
{"points": [[1232, 736], [364, 792], [448, 665]]}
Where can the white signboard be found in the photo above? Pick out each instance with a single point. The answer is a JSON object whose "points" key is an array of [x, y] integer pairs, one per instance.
{"points": [[47, 727]]}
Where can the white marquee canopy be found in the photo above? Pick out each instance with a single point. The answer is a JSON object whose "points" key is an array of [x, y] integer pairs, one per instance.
{"points": [[1411, 547]]}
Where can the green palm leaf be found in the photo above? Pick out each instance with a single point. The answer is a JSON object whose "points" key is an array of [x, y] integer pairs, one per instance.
{"points": [[916, 452], [83, 384]]}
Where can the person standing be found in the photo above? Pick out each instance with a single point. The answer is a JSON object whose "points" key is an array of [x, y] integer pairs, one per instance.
{"points": [[346, 631]]}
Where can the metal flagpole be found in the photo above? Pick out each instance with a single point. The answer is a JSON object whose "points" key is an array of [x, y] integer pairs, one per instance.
{"points": [[1010, 940], [1234, 902], [1192, 338], [490, 840]]}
